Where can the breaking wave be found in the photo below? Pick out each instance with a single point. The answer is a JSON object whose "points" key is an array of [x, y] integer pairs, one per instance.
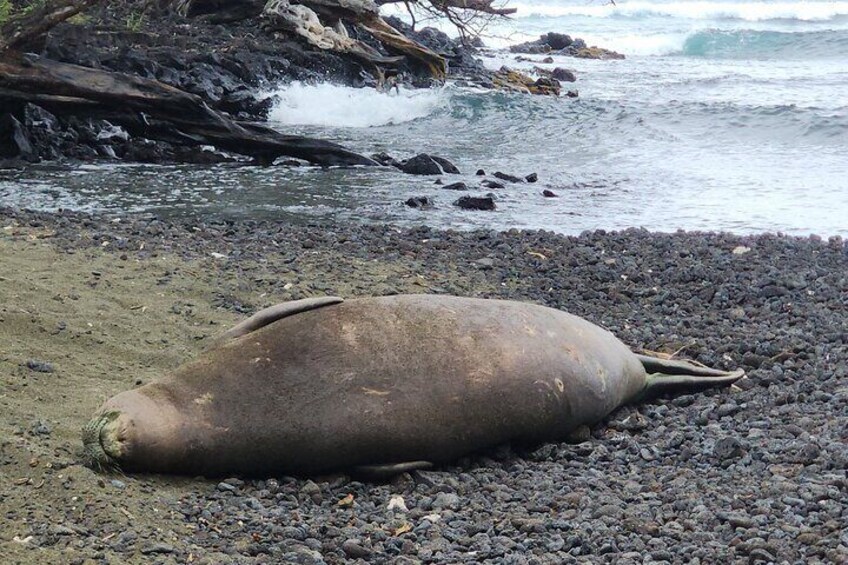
{"points": [[341, 106], [756, 44], [747, 11]]}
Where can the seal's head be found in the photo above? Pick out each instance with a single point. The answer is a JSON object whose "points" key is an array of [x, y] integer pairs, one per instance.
{"points": [[132, 430]]}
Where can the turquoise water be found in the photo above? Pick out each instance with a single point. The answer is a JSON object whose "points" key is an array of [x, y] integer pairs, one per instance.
{"points": [[724, 116]]}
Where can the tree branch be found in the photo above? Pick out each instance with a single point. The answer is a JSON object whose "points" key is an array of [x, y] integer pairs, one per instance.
{"points": [[27, 28]]}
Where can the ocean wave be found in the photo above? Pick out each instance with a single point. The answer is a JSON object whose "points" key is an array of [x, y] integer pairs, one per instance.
{"points": [[747, 11], [327, 104], [757, 44], [623, 122]]}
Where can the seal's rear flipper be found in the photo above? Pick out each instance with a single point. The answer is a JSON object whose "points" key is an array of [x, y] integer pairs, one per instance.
{"points": [[383, 472], [272, 314], [667, 376]]}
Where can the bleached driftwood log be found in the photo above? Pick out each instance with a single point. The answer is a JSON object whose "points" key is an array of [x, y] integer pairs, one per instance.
{"points": [[303, 20]]}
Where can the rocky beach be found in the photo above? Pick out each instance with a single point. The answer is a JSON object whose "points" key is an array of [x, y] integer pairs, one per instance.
{"points": [[168, 168], [92, 305]]}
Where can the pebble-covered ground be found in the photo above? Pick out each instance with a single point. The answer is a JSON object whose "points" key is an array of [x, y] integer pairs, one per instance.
{"points": [[755, 473]]}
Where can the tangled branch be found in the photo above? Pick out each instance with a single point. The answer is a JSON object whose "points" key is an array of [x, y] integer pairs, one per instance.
{"points": [[470, 17]]}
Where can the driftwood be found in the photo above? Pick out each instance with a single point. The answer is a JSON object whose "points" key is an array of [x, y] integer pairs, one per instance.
{"points": [[155, 110], [321, 24], [395, 40], [302, 19], [144, 107]]}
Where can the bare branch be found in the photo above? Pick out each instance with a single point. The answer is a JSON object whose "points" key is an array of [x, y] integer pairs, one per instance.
{"points": [[483, 6]]}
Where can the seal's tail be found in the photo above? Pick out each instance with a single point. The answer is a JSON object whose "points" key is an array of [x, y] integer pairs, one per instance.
{"points": [[667, 376]]}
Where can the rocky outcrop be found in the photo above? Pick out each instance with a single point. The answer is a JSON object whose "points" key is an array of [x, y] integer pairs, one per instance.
{"points": [[424, 164], [562, 44], [462, 58], [476, 202], [511, 79]]}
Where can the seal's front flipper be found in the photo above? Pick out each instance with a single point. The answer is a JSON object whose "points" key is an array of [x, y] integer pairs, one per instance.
{"points": [[384, 472], [272, 314], [666, 375]]}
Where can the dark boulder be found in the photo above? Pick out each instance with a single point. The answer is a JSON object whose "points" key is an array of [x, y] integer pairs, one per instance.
{"points": [[532, 177], [446, 165], [455, 186], [563, 75], [549, 194], [460, 56], [492, 184], [419, 202], [557, 41], [547, 84], [386, 160], [14, 139], [546, 43], [38, 117], [421, 164], [507, 177], [476, 202]]}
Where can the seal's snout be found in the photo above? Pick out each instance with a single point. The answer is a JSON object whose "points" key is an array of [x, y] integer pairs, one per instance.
{"points": [[102, 441]]}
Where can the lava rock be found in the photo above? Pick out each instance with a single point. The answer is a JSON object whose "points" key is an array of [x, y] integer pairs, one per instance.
{"points": [[557, 41], [476, 203], [354, 549], [455, 186], [14, 140], [446, 165], [419, 202], [421, 164], [563, 75], [386, 160], [40, 366], [507, 177], [728, 448]]}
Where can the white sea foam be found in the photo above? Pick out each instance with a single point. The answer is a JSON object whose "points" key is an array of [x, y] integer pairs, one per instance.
{"points": [[341, 106], [699, 10], [640, 43]]}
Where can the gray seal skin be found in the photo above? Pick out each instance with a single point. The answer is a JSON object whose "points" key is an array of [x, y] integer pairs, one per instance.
{"points": [[381, 384]]}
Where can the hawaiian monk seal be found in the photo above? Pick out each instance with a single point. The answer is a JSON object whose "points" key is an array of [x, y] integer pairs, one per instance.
{"points": [[384, 384]]}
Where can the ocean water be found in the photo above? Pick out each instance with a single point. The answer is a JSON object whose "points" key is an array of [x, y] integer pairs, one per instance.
{"points": [[726, 115]]}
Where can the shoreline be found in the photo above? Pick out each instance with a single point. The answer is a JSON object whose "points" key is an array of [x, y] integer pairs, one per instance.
{"points": [[748, 473]]}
